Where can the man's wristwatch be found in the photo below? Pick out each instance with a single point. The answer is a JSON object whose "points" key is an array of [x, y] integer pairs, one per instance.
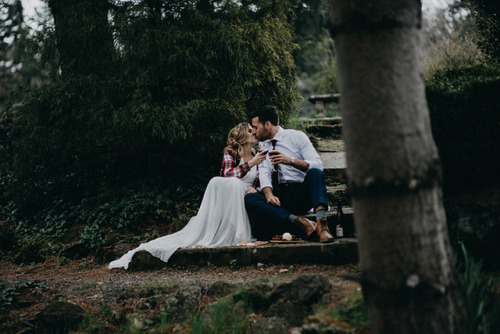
{"points": [[292, 161]]}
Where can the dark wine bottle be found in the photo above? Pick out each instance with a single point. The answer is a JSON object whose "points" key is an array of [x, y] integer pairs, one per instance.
{"points": [[339, 229]]}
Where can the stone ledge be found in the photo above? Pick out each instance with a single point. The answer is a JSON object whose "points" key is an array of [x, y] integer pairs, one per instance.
{"points": [[342, 251]]}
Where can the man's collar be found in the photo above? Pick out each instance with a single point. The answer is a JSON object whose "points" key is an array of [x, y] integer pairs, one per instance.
{"points": [[279, 134]]}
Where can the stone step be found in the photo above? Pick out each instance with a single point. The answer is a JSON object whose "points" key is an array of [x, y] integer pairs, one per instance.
{"points": [[333, 160], [334, 167], [335, 177], [326, 131], [321, 121], [338, 193], [323, 127], [341, 251], [329, 145]]}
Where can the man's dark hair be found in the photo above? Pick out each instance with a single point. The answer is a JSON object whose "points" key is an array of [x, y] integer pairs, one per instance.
{"points": [[266, 113]]}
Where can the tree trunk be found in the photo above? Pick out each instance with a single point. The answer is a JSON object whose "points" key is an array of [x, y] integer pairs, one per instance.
{"points": [[83, 36], [394, 174]]}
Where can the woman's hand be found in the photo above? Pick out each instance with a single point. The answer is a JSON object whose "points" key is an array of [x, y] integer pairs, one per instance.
{"points": [[251, 190], [258, 158]]}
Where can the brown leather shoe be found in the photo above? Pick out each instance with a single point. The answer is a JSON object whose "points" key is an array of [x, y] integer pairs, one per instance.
{"points": [[307, 226], [323, 230]]}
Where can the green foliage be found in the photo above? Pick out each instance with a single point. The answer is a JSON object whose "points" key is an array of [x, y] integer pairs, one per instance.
{"points": [[481, 295], [12, 33], [182, 75], [486, 14], [353, 311], [92, 236], [233, 264], [464, 107], [7, 295], [449, 40], [222, 319], [21, 60], [84, 39], [310, 21], [239, 54], [98, 322], [315, 57], [130, 208], [9, 290], [327, 80], [320, 78]]}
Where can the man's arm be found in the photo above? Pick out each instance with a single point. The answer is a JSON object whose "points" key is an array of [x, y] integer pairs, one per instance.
{"points": [[309, 157], [309, 153], [280, 158]]}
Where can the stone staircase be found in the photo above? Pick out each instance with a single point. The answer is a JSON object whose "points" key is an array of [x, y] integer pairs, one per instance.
{"points": [[334, 167], [341, 251]]}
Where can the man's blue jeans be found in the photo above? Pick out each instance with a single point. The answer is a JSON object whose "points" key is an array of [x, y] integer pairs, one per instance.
{"points": [[297, 198]]}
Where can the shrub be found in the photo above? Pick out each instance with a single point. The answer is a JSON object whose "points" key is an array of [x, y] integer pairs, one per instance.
{"points": [[464, 106], [456, 51], [69, 142]]}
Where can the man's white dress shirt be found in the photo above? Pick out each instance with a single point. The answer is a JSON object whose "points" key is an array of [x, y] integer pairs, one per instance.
{"points": [[294, 144]]}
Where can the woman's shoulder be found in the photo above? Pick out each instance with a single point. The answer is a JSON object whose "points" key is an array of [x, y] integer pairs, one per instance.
{"points": [[229, 152]]}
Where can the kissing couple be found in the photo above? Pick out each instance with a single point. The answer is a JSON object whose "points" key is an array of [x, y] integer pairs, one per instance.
{"points": [[257, 194]]}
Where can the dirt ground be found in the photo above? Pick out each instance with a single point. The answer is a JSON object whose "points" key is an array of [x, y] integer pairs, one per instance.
{"points": [[93, 286]]}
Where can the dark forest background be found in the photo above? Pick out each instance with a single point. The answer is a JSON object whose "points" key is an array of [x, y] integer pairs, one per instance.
{"points": [[113, 114]]}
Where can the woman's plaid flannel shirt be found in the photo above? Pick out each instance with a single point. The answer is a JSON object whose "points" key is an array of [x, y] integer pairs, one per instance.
{"points": [[231, 168]]}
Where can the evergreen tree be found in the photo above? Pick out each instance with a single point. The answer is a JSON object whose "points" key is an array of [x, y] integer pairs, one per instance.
{"points": [[11, 35], [486, 14], [182, 74], [84, 39], [315, 57]]}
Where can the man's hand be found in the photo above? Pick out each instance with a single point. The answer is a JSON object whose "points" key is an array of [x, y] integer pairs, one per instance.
{"points": [[273, 200], [270, 198], [279, 158]]}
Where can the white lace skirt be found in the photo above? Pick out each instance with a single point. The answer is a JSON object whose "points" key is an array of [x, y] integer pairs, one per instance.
{"points": [[221, 221]]}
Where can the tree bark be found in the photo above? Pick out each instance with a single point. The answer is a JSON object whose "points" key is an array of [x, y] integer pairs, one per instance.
{"points": [[393, 169], [83, 36]]}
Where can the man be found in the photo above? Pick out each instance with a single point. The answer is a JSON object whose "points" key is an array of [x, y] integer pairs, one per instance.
{"points": [[291, 179]]}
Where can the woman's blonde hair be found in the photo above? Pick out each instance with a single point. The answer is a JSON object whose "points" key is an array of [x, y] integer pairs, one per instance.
{"points": [[237, 137]]}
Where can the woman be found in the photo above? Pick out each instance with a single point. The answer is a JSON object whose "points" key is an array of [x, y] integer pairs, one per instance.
{"points": [[222, 219]]}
